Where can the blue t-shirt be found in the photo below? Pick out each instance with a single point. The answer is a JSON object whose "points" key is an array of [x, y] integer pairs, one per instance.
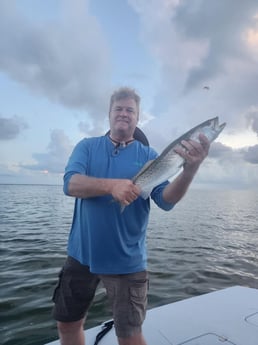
{"points": [[108, 241]]}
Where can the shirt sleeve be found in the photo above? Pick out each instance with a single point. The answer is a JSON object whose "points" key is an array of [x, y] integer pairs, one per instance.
{"points": [[157, 197], [77, 163], [157, 192]]}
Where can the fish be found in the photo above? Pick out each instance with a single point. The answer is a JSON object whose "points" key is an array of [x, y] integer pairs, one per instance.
{"points": [[169, 163]]}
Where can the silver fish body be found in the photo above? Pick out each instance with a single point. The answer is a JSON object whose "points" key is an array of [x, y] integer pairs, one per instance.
{"points": [[168, 163]]}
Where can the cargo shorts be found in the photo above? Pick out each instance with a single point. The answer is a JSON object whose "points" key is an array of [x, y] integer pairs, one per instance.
{"points": [[127, 294]]}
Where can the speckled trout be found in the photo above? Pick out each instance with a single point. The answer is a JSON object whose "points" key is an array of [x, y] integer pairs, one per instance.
{"points": [[168, 163]]}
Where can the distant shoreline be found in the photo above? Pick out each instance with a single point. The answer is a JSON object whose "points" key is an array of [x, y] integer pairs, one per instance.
{"points": [[195, 187], [30, 184]]}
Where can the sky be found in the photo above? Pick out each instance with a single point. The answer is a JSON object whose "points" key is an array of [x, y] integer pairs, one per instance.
{"points": [[60, 60]]}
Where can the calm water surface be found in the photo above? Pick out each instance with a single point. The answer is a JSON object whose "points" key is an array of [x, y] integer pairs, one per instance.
{"points": [[208, 242]]}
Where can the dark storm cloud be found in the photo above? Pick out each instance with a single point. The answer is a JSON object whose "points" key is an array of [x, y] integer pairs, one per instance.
{"points": [[10, 128], [65, 60], [221, 25]]}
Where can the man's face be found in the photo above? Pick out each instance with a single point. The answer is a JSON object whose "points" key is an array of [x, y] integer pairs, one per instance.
{"points": [[123, 116]]}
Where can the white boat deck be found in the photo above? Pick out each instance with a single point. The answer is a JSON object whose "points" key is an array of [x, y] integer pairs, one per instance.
{"points": [[224, 317]]}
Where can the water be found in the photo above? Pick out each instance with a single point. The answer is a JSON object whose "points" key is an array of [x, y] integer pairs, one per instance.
{"points": [[208, 242]]}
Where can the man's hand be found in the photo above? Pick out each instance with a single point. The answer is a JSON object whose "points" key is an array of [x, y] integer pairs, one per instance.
{"points": [[195, 152], [124, 191]]}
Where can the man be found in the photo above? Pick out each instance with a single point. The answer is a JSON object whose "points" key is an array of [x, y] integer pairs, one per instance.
{"points": [[105, 244]]}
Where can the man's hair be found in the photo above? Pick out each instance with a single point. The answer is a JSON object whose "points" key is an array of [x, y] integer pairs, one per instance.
{"points": [[124, 93]]}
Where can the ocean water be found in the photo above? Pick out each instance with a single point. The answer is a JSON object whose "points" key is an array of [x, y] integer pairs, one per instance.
{"points": [[208, 242]]}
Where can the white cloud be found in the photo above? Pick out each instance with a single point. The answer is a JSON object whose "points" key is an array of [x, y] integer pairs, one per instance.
{"points": [[66, 60]]}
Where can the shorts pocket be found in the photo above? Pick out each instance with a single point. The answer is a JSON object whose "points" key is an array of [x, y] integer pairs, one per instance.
{"points": [[138, 302], [57, 287]]}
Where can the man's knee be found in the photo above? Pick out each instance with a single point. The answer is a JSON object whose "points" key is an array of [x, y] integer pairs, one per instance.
{"points": [[70, 327], [136, 339]]}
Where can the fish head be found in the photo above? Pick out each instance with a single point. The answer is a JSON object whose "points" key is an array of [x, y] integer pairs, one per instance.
{"points": [[212, 128]]}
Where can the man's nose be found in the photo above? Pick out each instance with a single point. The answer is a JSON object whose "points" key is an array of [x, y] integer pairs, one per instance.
{"points": [[123, 112]]}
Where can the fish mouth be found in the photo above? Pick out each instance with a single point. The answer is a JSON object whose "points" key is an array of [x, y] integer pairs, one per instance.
{"points": [[215, 124], [222, 126], [218, 127]]}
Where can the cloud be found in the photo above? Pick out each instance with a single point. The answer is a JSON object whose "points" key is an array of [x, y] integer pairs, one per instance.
{"points": [[66, 59], [191, 44], [55, 159], [251, 154], [217, 149], [10, 128], [222, 26], [198, 43], [198, 40], [226, 154], [252, 118]]}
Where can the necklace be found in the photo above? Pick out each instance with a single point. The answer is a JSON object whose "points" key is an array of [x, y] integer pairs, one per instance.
{"points": [[121, 143]]}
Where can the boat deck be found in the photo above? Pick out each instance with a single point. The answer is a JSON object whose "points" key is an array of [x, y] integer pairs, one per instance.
{"points": [[224, 317]]}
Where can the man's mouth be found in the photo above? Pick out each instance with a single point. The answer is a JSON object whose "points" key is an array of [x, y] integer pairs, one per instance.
{"points": [[122, 120]]}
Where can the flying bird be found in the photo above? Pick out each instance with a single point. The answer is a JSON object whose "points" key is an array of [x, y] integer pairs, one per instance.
{"points": [[206, 88]]}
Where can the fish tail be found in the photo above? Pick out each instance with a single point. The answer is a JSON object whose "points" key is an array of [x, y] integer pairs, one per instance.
{"points": [[122, 207]]}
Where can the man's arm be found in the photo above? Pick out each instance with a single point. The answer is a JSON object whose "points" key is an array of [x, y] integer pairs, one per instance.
{"points": [[194, 155], [122, 190]]}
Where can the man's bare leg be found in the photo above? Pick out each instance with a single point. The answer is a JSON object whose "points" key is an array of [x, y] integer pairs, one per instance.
{"points": [[71, 333]]}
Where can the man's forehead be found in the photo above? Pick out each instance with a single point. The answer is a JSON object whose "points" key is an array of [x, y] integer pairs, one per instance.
{"points": [[126, 102]]}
